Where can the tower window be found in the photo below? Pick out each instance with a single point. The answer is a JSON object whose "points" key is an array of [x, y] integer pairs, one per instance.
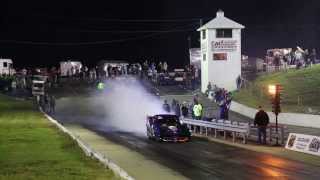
{"points": [[224, 33]]}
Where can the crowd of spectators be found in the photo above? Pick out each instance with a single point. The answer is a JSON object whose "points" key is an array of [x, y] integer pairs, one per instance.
{"points": [[195, 110], [285, 58], [161, 74]]}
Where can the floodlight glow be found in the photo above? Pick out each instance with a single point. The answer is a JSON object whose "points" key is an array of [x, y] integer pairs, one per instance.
{"points": [[272, 89]]}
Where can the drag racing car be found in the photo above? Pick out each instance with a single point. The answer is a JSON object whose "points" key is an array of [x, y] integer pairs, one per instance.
{"points": [[167, 127]]}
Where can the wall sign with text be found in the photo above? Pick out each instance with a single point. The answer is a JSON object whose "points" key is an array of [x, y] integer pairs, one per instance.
{"points": [[224, 45], [304, 143], [220, 56]]}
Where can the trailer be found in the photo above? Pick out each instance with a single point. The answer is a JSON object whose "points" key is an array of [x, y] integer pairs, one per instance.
{"points": [[69, 68], [6, 66]]}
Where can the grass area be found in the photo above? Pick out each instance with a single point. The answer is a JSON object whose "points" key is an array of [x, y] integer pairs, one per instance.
{"points": [[301, 91], [33, 148]]}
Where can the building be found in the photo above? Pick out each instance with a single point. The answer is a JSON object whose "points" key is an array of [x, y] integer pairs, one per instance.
{"points": [[221, 52]]}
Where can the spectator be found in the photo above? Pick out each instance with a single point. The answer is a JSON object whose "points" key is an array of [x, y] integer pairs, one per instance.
{"points": [[238, 82], [313, 56], [197, 110], [227, 105], [298, 58], [222, 109], [292, 57], [153, 66], [13, 86], [196, 98], [166, 106], [190, 109], [307, 60], [261, 119], [165, 67], [173, 104], [160, 67], [46, 103], [100, 86], [209, 88], [184, 109], [52, 104], [177, 110]]}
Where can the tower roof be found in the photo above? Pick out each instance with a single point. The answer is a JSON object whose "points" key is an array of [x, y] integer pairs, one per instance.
{"points": [[221, 22]]}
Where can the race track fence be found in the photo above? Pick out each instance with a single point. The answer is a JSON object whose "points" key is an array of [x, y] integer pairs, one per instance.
{"points": [[272, 133], [237, 129], [89, 151]]}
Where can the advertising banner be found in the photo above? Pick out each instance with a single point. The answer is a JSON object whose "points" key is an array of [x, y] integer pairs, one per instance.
{"points": [[304, 143], [224, 46], [219, 56]]}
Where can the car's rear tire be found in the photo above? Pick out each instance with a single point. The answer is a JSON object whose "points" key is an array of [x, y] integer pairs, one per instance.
{"points": [[158, 139]]}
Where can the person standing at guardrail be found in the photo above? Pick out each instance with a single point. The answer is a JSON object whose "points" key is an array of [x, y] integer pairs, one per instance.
{"points": [[173, 104], [177, 109], [184, 110], [227, 104], [261, 119], [197, 110]]}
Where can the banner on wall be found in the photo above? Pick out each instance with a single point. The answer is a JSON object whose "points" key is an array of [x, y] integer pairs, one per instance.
{"points": [[224, 45], [304, 143], [219, 56]]}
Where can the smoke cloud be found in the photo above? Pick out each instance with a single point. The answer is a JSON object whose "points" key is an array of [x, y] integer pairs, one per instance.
{"points": [[126, 104], [122, 106]]}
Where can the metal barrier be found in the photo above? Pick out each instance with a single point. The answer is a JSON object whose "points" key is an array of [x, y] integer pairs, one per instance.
{"points": [[235, 127], [272, 133]]}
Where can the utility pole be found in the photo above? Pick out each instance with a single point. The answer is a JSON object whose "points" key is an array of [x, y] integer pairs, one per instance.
{"points": [[201, 22]]}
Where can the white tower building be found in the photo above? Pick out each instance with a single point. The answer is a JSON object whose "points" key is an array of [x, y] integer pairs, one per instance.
{"points": [[221, 52]]}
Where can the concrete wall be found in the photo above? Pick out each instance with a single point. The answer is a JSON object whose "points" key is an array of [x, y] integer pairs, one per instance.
{"points": [[297, 119]]}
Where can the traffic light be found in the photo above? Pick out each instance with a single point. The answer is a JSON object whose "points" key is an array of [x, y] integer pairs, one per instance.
{"points": [[275, 91]]}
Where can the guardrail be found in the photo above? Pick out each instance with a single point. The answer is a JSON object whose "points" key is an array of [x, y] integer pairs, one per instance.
{"points": [[272, 133], [89, 151], [236, 128]]}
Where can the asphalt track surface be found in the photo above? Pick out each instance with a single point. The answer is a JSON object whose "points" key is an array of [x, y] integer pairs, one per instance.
{"points": [[197, 159]]}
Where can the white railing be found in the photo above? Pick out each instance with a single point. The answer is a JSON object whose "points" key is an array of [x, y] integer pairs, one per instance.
{"points": [[235, 127]]}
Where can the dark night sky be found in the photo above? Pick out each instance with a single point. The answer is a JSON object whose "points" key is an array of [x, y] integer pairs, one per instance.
{"points": [[42, 33]]}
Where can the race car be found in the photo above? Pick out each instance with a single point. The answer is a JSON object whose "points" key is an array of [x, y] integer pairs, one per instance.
{"points": [[167, 127]]}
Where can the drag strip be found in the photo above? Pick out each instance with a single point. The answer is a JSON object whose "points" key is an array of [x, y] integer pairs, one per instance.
{"points": [[198, 159]]}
